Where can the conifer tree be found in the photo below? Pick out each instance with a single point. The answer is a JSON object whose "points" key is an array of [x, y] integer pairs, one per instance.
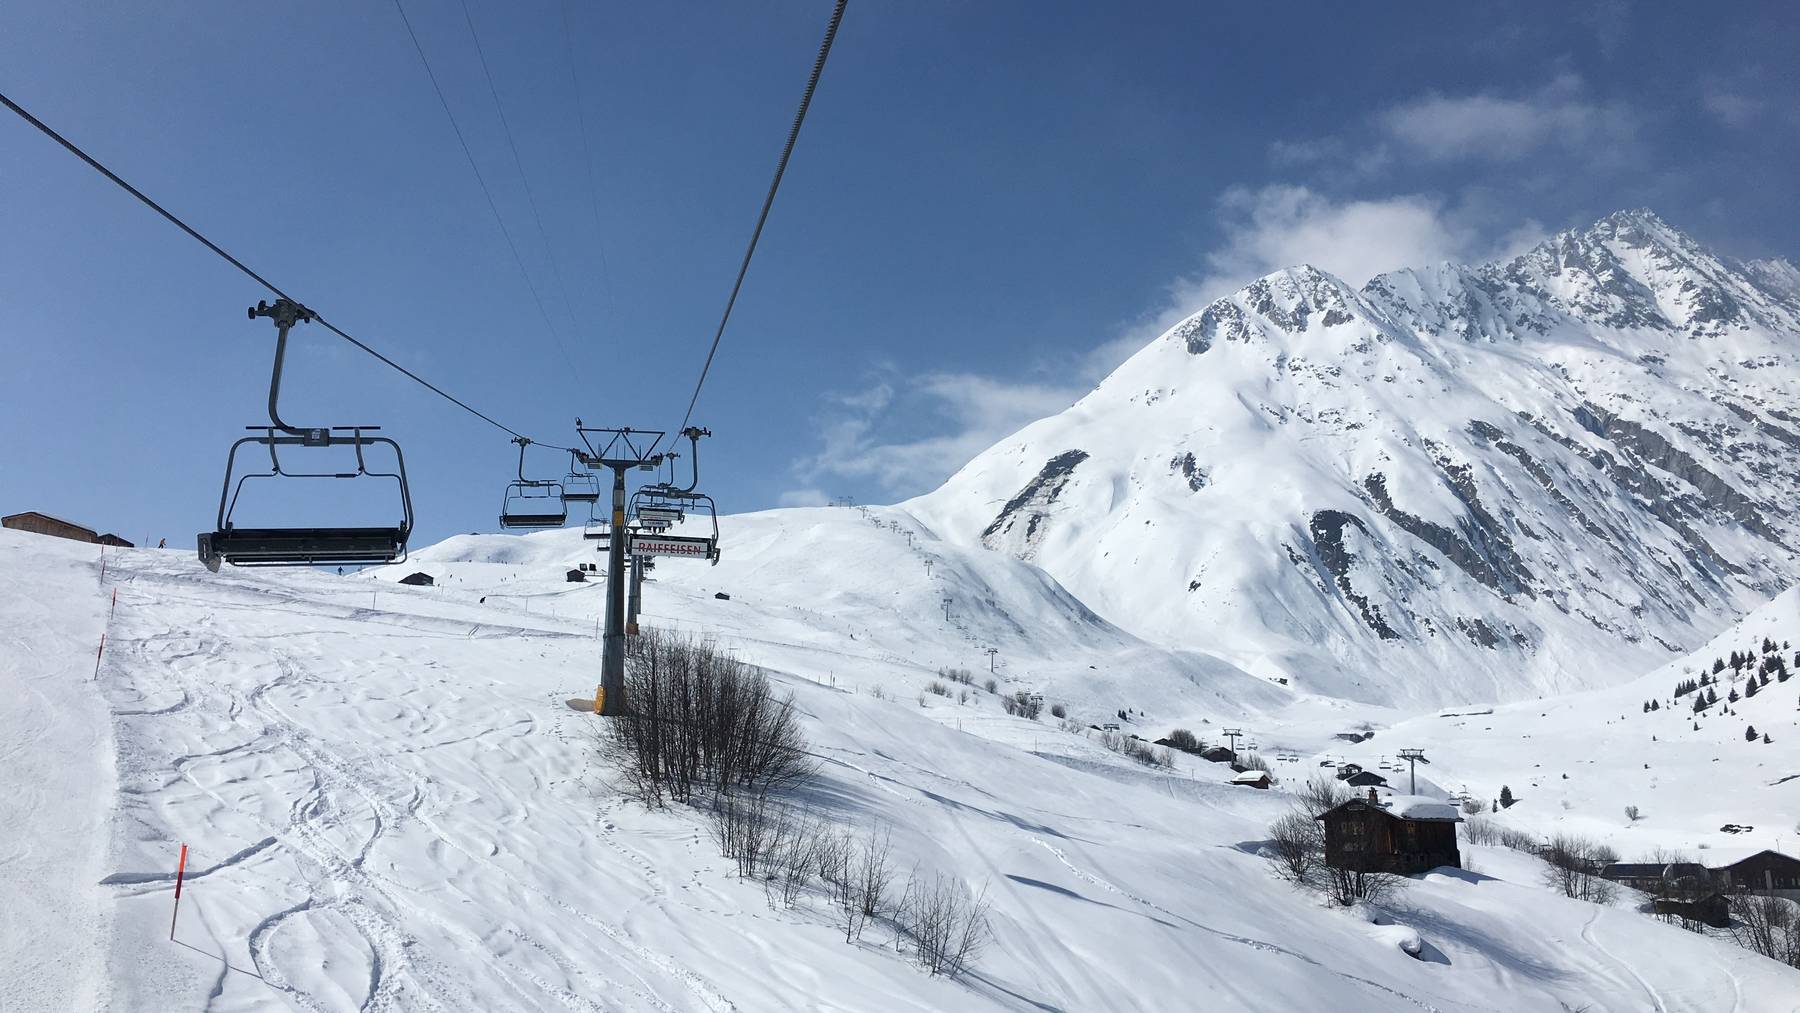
{"points": [[1749, 733], [1506, 797]]}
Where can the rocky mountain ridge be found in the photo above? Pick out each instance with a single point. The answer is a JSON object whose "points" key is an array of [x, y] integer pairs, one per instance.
{"points": [[1458, 483]]}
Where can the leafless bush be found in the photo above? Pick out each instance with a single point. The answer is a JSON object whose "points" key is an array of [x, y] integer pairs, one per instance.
{"points": [[1473, 807], [1632, 813], [962, 696], [1574, 868], [947, 924], [791, 858], [1022, 704], [1321, 794], [989, 685], [1348, 886], [1254, 762], [1519, 840], [701, 723], [1297, 844], [1058, 710], [937, 687], [1767, 925], [961, 675], [878, 692], [1480, 831], [1185, 740], [747, 828]]}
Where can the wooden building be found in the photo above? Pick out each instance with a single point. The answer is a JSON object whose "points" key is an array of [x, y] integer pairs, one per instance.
{"points": [[44, 524], [1404, 834], [420, 579], [575, 576], [1365, 779], [1253, 779], [1766, 872], [1711, 909], [1659, 879]]}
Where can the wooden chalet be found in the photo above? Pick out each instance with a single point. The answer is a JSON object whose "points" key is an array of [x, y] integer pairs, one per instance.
{"points": [[1403, 834], [1253, 779], [1766, 872], [1711, 909], [56, 527], [420, 579], [1658, 879]]}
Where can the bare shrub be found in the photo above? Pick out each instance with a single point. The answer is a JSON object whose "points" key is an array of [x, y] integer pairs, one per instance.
{"points": [[937, 687], [1574, 868], [1349, 886], [1519, 840], [1058, 710], [1632, 813], [989, 685], [1255, 762], [701, 723], [1022, 704], [961, 675], [791, 859], [1360, 875], [1473, 807], [947, 924], [746, 828], [1184, 740], [1297, 845], [962, 696], [1321, 794], [1477, 830], [1767, 925]]}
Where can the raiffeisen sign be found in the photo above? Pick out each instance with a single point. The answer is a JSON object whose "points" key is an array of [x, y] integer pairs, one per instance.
{"points": [[669, 545]]}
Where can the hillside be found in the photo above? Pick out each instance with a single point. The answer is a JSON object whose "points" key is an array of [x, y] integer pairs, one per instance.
{"points": [[1575, 762], [1457, 484], [389, 806]]}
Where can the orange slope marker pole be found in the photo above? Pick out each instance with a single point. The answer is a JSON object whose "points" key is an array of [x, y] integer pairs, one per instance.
{"points": [[180, 868]]}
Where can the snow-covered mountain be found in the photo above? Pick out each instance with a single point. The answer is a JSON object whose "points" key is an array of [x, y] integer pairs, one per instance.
{"points": [[1458, 483]]}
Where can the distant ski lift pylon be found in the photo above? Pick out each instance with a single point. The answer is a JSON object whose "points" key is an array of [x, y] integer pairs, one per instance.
{"points": [[303, 546], [532, 502]]}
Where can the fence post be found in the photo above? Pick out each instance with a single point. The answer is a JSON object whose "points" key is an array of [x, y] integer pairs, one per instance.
{"points": [[180, 868]]}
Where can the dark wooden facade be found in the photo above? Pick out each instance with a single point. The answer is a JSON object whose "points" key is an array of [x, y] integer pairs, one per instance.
{"points": [[1711, 909], [1768, 872], [420, 579], [1364, 835], [44, 524]]}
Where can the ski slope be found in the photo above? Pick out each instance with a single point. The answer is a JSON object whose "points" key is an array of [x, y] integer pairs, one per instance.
{"points": [[390, 806]]}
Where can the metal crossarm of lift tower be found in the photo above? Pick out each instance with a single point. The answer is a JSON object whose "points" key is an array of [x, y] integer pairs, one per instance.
{"points": [[619, 448]]}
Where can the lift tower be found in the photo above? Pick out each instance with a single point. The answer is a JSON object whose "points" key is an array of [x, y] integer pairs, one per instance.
{"points": [[1412, 758], [619, 450]]}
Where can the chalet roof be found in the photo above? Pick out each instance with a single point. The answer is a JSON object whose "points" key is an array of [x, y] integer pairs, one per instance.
{"points": [[1716, 859], [48, 517], [1250, 777], [1651, 870], [1417, 808]]}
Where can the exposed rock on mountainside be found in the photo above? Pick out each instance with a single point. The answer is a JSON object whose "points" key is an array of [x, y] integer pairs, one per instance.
{"points": [[1459, 482]]}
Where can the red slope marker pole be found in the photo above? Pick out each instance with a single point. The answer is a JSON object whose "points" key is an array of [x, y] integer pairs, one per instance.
{"points": [[180, 868]]}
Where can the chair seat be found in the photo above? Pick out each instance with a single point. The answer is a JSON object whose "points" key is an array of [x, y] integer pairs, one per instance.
{"points": [[533, 520], [291, 546]]}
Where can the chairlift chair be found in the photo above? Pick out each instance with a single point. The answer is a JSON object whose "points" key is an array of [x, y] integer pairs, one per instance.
{"points": [[311, 545], [532, 502], [580, 485]]}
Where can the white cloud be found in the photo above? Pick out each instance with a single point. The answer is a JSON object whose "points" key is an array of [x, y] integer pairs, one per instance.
{"points": [[966, 413], [805, 498], [1498, 128]]}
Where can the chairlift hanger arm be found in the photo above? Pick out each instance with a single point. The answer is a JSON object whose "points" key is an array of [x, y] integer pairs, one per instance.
{"points": [[286, 313]]}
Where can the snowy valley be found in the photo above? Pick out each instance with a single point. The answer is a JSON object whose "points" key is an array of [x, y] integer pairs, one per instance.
{"points": [[1487, 512]]}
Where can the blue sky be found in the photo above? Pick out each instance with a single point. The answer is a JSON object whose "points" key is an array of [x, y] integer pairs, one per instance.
{"points": [[990, 206]]}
